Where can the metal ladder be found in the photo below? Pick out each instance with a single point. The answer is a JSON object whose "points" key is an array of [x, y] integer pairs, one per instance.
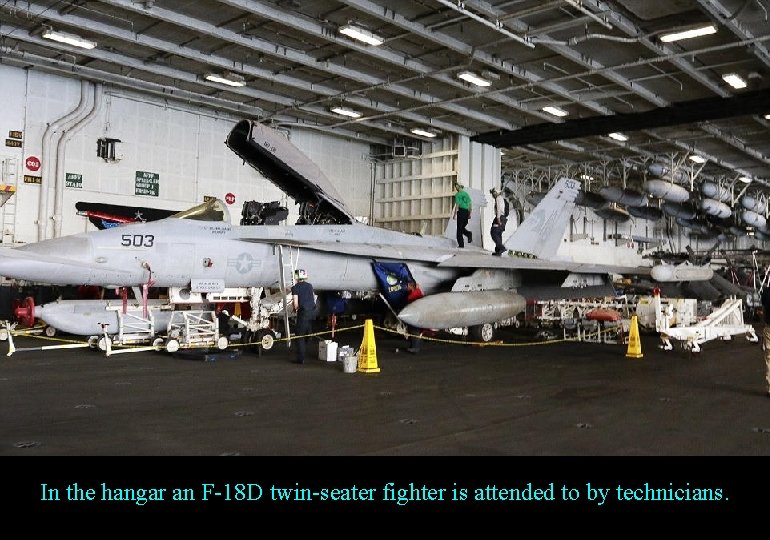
{"points": [[9, 177]]}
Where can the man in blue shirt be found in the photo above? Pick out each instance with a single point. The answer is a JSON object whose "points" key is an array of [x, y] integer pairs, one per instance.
{"points": [[303, 300]]}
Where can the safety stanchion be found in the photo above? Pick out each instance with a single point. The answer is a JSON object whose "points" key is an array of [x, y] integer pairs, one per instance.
{"points": [[367, 354], [634, 343]]}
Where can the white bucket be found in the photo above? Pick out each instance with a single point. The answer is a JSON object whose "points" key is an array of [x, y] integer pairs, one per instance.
{"points": [[349, 364]]}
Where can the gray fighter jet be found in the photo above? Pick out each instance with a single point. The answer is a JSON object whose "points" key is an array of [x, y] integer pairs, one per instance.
{"points": [[201, 250]]}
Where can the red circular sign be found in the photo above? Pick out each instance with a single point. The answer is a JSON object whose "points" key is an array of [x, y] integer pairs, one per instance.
{"points": [[32, 163], [230, 198]]}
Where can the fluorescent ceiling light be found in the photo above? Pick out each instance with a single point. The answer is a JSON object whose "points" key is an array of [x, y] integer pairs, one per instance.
{"points": [[361, 34], [618, 136], [767, 117], [745, 179], [423, 133], [687, 34], [734, 80], [69, 39], [344, 111], [228, 79], [473, 78], [586, 177], [697, 159], [556, 111]]}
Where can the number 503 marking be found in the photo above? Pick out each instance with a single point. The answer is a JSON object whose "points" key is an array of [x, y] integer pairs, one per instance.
{"points": [[137, 240]]}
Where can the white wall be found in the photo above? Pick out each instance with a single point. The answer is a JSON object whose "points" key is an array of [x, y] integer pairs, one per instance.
{"points": [[183, 144]]}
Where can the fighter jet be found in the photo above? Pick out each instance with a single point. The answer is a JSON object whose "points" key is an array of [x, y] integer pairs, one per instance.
{"points": [[202, 251]]}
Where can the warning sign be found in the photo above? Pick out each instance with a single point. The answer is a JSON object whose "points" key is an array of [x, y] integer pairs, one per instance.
{"points": [[147, 183], [32, 163]]}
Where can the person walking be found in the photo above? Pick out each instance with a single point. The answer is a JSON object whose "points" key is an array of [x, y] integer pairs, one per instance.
{"points": [[499, 221], [766, 334], [462, 212], [303, 300]]}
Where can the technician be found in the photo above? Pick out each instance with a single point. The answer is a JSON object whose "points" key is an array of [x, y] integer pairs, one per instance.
{"points": [[303, 300], [462, 212], [498, 223]]}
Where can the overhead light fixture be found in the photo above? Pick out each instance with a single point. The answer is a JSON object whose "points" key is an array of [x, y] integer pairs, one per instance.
{"points": [[687, 34], [734, 80], [473, 78], [361, 34], [69, 39], [423, 133], [745, 179], [767, 117], [344, 111], [556, 111], [230, 79], [697, 158], [617, 136], [586, 177]]}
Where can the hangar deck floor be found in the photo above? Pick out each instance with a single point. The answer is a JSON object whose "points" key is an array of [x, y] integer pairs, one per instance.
{"points": [[558, 399]]}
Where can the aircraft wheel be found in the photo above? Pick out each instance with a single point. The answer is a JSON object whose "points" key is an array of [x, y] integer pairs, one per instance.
{"points": [[222, 343], [50, 331], [93, 342], [102, 343], [172, 345], [482, 332], [3, 335], [158, 343], [266, 339]]}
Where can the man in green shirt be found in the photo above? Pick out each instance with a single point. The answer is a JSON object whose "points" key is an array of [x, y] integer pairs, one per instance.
{"points": [[462, 212]]}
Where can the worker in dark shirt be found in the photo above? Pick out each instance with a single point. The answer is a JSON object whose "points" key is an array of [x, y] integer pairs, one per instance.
{"points": [[303, 300]]}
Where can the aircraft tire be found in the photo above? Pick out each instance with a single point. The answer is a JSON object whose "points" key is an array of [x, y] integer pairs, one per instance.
{"points": [[158, 343], [50, 331], [222, 343], [483, 333]]}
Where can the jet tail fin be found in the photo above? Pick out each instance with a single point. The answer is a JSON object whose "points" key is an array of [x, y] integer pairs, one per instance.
{"points": [[540, 234]]}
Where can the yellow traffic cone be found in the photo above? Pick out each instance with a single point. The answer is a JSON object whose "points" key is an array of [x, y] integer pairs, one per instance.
{"points": [[634, 343], [367, 354]]}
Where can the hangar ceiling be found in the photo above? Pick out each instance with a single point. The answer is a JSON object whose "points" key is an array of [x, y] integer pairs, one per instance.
{"points": [[589, 59]]}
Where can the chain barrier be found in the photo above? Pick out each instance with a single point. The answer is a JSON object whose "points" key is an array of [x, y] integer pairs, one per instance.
{"points": [[35, 333]]}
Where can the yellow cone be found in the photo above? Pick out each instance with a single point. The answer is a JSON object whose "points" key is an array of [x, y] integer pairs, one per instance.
{"points": [[634, 343], [367, 354]]}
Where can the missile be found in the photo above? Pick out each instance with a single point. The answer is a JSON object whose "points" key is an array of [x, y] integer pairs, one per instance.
{"points": [[85, 317], [460, 309], [681, 272]]}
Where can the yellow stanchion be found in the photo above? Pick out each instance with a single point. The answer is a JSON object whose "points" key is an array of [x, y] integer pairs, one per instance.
{"points": [[367, 354], [634, 343]]}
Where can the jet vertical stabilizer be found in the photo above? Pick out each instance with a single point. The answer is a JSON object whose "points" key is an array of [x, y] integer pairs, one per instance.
{"points": [[541, 233]]}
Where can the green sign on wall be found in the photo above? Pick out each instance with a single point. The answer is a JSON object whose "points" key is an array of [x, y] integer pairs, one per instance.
{"points": [[147, 183], [73, 180]]}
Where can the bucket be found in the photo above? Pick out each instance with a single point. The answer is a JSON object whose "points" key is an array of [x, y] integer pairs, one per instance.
{"points": [[349, 364]]}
